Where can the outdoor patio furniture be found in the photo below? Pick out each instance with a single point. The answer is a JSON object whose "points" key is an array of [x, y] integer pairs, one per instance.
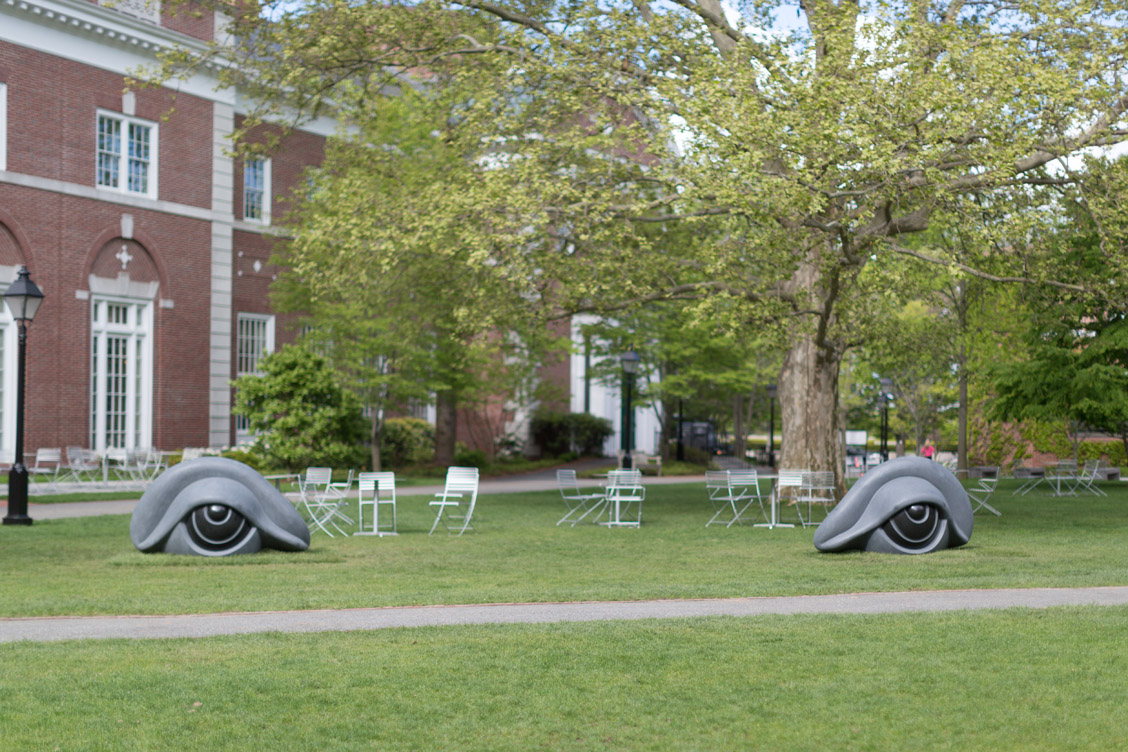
{"points": [[580, 503], [1064, 477], [1088, 477], [785, 480], [979, 494], [817, 490], [376, 490], [48, 463], [454, 505], [82, 466], [732, 493], [324, 500], [624, 491]]}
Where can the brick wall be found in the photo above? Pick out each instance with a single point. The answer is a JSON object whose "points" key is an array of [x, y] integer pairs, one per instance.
{"points": [[52, 124]]}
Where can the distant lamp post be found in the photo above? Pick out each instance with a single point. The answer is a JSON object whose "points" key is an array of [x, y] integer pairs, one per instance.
{"points": [[629, 361], [23, 298], [772, 388], [886, 396]]}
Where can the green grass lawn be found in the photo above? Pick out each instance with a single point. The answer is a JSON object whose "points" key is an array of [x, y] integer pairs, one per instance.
{"points": [[1015, 679], [1012, 679], [89, 566]]}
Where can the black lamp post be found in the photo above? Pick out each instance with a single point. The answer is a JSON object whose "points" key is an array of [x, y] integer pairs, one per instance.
{"points": [[23, 299], [771, 424], [629, 360], [886, 386]]}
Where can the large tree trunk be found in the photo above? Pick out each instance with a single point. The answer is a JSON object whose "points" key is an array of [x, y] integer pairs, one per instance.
{"points": [[446, 425], [808, 396]]}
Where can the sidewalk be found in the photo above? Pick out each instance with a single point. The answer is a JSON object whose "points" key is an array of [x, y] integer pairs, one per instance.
{"points": [[541, 480], [52, 629]]}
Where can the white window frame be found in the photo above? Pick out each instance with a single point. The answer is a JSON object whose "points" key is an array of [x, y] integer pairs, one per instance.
{"points": [[125, 123], [138, 333], [242, 430], [3, 126], [264, 199]]}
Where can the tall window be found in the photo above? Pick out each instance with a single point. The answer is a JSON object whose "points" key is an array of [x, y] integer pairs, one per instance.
{"points": [[127, 155], [121, 374], [254, 338], [256, 190]]}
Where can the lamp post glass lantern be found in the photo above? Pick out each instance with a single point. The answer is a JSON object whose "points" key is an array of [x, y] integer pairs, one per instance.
{"points": [[629, 361], [22, 298]]}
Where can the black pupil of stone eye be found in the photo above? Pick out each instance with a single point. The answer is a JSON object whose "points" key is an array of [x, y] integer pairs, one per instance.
{"points": [[914, 526], [215, 526]]}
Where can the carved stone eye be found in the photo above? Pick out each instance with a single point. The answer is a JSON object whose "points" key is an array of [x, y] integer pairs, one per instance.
{"points": [[909, 505], [218, 528], [214, 506]]}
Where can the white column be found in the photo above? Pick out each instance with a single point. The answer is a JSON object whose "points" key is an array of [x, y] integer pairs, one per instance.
{"points": [[223, 187]]}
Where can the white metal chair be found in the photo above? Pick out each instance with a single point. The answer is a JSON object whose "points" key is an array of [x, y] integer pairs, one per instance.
{"points": [[454, 506], [732, 493], [82, 465], [376, 490], [817, 489], [1088, 477], [788, 483], [323, 499], [580, 502], [979, 494], [1065, 474], [624, 489], [49, 463]]}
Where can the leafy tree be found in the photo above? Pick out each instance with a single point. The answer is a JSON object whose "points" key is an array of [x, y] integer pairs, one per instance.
{"points": [[1076, 364], [797, 158], [301, 414]]}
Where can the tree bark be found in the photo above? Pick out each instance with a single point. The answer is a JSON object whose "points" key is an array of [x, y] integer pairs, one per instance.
{"points": [[739, 432], [961, 447], [808, 396], [375, 432], [446, 425]]}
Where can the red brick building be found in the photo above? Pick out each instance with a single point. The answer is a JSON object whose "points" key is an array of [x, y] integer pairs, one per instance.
{"points": [[149, 240]]}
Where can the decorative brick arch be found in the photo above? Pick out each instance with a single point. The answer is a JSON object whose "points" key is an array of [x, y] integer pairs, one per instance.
{"points": [[112, 257], [13, 241]]}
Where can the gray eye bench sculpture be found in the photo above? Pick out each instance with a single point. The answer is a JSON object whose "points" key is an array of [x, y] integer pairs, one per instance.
{"points": [[909, 505], [213, 506]]}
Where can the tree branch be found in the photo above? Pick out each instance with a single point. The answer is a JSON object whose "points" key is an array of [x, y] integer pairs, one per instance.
{"points": [[984, 275]]}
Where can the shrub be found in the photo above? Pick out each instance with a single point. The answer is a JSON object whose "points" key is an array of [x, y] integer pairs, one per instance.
{"points": [[301, 413], [407, 441], [464, 457], [557, 433], [246, 457]]}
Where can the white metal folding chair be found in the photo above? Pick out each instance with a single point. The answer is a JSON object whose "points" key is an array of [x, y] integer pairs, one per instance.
{"points": [[1065, 475], [82, 465], [455, 504], [1088, 477], [624, 489], [980, 493], [732, 493], [323, 500], [817, 488], [376, 490], [579, 502], [48, 463]]}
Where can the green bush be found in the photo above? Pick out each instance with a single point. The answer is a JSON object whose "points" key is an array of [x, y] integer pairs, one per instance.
{"points": [[465, 457], [556, 433], [406, 441], [301, 413], [246, 457]]}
